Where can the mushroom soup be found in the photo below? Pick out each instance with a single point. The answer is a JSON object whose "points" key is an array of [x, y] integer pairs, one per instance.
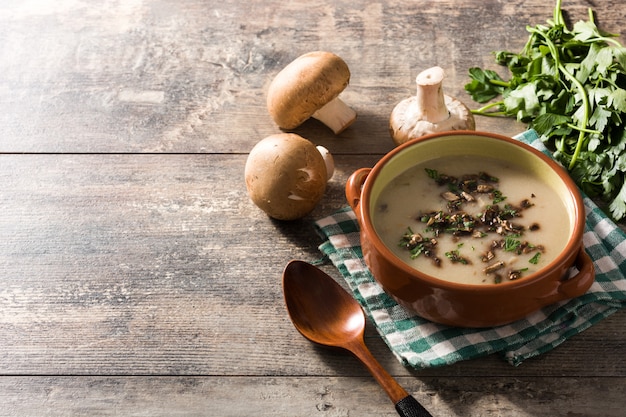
{"points": [[472, 220]]}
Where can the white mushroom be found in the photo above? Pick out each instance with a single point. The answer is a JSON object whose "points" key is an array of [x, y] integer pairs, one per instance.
{"points": [[309, 87], [286, 175], [429, 111]]}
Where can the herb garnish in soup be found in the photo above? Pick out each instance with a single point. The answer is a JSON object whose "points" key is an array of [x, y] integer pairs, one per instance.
{"points": [[460, 222]]}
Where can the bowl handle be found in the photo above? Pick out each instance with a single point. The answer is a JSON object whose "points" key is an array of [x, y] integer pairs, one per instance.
{"points": [[580, 283], [354, 185]]}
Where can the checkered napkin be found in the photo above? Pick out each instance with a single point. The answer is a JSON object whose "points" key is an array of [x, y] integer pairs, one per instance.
{"points": [[419, 343]]}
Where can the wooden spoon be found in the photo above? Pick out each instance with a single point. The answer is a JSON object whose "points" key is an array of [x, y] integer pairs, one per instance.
{"points": [[326, 314]]}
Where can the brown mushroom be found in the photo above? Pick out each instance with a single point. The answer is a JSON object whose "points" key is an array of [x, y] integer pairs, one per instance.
{"points": [[309, 87], [286, 175], [429, 111]]}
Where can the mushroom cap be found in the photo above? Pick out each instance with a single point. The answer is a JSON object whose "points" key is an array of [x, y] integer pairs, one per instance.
{"points": [[285, 176], [405, 122], [304, 86]]}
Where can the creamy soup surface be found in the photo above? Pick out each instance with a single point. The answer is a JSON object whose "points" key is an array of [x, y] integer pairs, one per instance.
{"points": [[523, 225]]}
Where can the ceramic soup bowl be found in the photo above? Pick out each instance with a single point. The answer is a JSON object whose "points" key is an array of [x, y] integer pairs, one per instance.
{"points": [[471, 229]]}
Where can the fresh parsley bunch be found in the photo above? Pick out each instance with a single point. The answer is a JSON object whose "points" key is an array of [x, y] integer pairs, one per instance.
{"points": [[570, 86]]}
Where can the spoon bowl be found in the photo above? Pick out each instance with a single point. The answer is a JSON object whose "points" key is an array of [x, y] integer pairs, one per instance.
{"points": [[320, 309], [323, 312]]}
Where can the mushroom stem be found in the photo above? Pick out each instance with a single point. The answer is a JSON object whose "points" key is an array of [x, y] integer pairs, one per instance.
{"points": [[430, 98], [336, 114], [429, 110], [328, 161]]}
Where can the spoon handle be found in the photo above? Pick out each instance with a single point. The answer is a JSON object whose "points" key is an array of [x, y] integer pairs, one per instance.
{"points": [[406, 405], [410, 407]]}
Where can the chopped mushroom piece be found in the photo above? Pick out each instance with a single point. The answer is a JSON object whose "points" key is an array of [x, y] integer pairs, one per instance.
{"points": [[449, 196], [494, 267], [429, 111], [286, 175], [309, 87]]}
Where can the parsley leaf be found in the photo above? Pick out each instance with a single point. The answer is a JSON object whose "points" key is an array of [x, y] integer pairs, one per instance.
{"points": [[535, 259], [570, 86], [486, 85]]}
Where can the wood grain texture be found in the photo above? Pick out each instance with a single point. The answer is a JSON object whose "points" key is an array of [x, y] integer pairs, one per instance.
{"points": [[153, 264], [305, 396], [137, 278], [191, 76]]}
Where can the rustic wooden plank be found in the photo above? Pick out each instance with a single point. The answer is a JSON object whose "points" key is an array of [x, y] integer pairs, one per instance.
{"points": [[144, 282], [306, 396], [191, 76], [159, 264]]}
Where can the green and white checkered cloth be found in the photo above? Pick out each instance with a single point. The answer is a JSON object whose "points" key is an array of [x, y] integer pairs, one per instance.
{"points": [[419, 343]]}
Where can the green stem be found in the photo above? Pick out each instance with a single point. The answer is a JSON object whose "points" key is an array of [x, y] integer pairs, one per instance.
{"points": [[483, 110], [605, 39], [584, 130], [491, 113], [500, 83], [558, 16], [582, 124]]}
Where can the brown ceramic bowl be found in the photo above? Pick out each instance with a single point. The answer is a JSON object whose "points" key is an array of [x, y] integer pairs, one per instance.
{"points": [[460, 304]]}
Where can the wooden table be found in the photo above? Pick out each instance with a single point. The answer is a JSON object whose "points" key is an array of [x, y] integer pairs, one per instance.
{"points": [[137, 278]]}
